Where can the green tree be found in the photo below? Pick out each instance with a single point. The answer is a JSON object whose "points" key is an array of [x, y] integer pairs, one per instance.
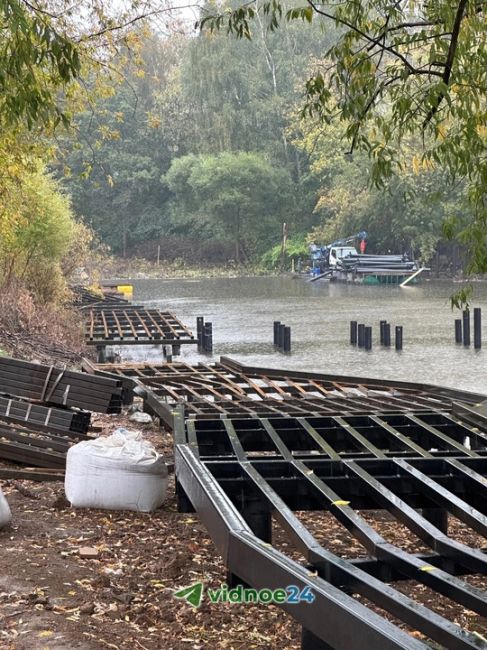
{"points": [[399, 70], [242, 90], [404, 215], [237, 196], [48, 49], [36, 224], [118, 150]]}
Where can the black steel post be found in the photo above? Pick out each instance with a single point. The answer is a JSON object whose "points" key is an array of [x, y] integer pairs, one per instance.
{"points": [[368, 338], [466, 327], [381, 324], [166, 349], [208, 337], [438, 517], [398, 337], [280, 343], [353, 332], [276, 332], [287, 339], [101, 354], [199, 332], [183, 502], [387, 335], [477, 328], [310, 641], [260, 522], [361, 335], [458, 330]]}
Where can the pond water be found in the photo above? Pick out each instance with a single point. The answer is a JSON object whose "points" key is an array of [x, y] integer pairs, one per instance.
{"points": [[242, 311]]}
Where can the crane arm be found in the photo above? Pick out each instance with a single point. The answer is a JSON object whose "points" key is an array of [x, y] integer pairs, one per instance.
{"points": [[349, 240]]}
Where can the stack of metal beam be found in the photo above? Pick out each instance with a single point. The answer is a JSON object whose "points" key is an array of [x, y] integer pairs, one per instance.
{"points": [[34, 448], [44, 418], [44, 410], [376, 263], [60, 386]]}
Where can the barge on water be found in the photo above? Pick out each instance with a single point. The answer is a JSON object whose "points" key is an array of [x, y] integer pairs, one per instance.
{"points": [[341, 261]]}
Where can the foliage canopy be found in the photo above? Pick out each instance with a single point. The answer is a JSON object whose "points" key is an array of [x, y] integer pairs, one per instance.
{"points": [[37, 227], [48, 48], [398, 70], [240, 195]]}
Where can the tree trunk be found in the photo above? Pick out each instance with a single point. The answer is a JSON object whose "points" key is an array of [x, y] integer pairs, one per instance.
{"points": [[237, 237]]}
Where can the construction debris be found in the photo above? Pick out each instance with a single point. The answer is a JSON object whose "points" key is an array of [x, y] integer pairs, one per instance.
{"points": [[88, 553]]}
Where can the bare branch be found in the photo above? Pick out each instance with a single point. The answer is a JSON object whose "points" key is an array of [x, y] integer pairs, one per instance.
{"points": [[462, 5], [373, 41]]}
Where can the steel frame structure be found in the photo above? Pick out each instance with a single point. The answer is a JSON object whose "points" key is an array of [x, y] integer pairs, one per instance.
{"points": [[254, 446], [229, 388], [225, 470], [84, 297]]}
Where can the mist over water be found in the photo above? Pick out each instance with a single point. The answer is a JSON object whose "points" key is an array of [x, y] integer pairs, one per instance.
{"points": [[242, 311]]}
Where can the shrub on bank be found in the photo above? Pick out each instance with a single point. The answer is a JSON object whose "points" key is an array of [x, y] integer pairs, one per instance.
{"points": [[34, 330], [296, 248], [40, 239]]}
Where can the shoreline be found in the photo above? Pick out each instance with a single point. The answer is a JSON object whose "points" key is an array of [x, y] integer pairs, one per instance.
{"points": [[111, 268], [140, 269]]}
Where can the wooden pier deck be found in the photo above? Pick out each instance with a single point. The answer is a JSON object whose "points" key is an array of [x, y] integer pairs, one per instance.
{"points": [[134, 325], [110, 319]]}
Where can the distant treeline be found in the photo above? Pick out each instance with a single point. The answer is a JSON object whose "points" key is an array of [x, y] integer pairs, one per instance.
{"points": [[203, 150]]}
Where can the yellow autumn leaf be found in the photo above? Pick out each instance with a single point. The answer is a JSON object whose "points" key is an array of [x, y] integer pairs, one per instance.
{"points": [[416, 164], [441, 130], [45, 633]]}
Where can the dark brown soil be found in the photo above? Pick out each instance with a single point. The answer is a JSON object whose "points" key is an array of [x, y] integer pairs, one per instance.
{"points": [[50, 598]]}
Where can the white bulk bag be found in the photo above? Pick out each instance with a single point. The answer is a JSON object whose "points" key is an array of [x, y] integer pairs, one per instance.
{"points": [[5, 514], [119, 472]]}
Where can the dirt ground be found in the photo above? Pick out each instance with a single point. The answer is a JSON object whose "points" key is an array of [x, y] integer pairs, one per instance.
{"points": [[51, 598]]}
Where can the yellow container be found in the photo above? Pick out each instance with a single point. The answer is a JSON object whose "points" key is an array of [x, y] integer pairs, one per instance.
{"points": [[126, 289]]}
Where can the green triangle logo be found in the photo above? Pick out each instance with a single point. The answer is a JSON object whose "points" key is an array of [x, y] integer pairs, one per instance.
{"points": [[193, 594]]}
